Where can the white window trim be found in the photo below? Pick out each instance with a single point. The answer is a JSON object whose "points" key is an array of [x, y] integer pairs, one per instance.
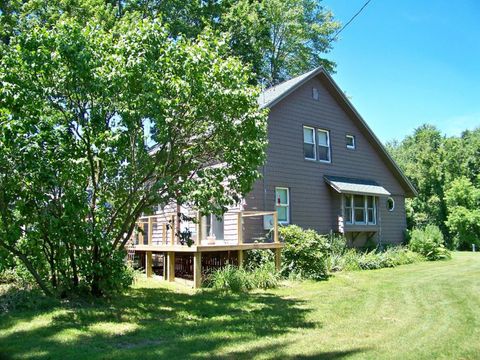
{"points": [[287, 204], [328, 146], [354, 146], [314, 143], [374, 222], [364, 207], [393, 204]]}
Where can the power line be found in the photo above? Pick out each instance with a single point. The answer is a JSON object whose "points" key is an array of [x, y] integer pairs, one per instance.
{"points": [[349, 21]]}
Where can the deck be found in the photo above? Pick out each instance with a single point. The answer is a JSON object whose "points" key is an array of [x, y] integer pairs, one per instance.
{"points": [[159, 238]]}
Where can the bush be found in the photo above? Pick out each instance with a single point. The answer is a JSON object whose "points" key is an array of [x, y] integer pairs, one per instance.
{"points": [[257, 258], [265, 277], [232, 278], [394, 256], [305, 253], [429, 243]]}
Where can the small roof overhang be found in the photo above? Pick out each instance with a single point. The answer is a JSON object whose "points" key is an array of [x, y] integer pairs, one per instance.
{"points": [[345, 185]]}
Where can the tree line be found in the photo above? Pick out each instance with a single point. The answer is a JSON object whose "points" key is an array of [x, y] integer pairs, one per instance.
{"points": [[446, 172]]}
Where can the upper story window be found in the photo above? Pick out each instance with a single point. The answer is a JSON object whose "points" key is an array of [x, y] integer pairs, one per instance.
{"points": [[360, 209], [309, 143], [323, 145], [350, 139], [282, 204]]}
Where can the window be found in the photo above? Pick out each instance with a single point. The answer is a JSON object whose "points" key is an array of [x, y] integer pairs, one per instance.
{"points": [[309, 143], [282, 204], [371, 216], [360, 209], [350, 142], [390, 204], [348, 209], [323, 145]]}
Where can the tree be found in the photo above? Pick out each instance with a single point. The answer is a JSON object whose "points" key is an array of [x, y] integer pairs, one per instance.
{"points": [[463, 200], [445, 171], [420, 156], [79, 86], [280, 39]]}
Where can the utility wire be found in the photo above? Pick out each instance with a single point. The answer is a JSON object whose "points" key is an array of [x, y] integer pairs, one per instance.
{"points": [[349, 21]]}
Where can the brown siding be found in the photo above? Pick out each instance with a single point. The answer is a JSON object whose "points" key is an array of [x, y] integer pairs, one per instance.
{"points": [[312, 203]]}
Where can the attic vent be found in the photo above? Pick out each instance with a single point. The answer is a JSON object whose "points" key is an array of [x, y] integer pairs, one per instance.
{"points": [[315, 94]]}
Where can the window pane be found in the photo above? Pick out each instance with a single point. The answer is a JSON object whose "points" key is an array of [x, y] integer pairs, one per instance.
{"points": [[359, 201], [348, 215], [322, 138], [323, 153], [348, 200], [309, 151], [308, 135], [370, 201], [359, 215], [370, 216], [281, 197], [350, 141], [282, 213]]}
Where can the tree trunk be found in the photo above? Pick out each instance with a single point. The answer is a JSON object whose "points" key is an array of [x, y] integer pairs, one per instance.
{"points": [[35, 274], [95, 285]]}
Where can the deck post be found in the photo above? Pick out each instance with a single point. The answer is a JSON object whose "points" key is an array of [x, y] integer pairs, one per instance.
{"points": [[199, 228], [278, 259], [165, 265], [240, 258], [140, 233], [171, 266], [164, 233], [148, 263], [239, 228], [150, 230], [197, 270], [172, 230], [275, 227]]}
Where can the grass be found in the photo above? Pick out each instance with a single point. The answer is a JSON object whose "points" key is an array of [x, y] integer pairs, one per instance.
{"points": [[420, 311]]}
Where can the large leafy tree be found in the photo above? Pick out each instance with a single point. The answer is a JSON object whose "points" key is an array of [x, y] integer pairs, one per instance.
{"points": [[279, 38], [79, 85], [445, 170], [421, 157]]}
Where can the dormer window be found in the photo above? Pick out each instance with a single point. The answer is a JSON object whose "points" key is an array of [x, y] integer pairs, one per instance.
{"points": [[350, 139]]}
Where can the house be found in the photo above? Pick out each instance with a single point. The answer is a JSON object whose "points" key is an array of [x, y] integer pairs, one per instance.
{"points": [[325, 170]]}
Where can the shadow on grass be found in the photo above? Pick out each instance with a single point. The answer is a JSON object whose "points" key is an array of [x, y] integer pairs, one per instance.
{"points": [[159, 323]]}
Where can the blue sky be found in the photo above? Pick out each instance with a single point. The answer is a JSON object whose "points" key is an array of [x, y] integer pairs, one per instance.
{"points": [[405, 63]]}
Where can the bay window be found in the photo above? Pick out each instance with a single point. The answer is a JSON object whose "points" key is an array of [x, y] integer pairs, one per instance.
{"points": [[360, 209]]}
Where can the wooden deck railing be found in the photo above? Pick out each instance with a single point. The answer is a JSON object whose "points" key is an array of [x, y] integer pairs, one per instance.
{"points": [[163, 230]]}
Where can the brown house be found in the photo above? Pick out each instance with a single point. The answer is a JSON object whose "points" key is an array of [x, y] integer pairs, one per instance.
{"points": [[325, 170]]}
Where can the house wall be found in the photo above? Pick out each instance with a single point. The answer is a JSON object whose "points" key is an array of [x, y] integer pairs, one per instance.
{"points": [[313, 204]]}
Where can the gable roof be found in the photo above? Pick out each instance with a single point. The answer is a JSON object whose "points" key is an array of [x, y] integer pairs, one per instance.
{"points": [[271, 96]]}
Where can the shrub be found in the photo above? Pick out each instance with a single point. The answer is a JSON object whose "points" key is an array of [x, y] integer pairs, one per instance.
{"points": [[305, 253], [429, 243], [391, 257], [265, 276], [232, 278], [229, 278], [337, 244], [257, 258]]}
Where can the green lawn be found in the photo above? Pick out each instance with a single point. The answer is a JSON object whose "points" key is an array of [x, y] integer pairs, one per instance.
{"points": [[421, 311]]}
